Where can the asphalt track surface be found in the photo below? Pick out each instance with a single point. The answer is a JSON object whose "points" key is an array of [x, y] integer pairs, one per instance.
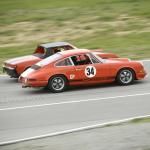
{"points": [[28, 113]]}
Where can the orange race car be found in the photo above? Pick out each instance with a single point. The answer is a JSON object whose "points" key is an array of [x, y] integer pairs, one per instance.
{"points": [[80, 67], [14, 67]]}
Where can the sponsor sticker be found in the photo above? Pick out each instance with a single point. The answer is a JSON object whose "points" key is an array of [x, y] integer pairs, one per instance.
{"points": [[72, 76]]}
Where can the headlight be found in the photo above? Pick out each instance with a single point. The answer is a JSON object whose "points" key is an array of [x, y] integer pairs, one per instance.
{"points": [[142, 63]]}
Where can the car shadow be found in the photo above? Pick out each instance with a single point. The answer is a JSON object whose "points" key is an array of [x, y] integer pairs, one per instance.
{"points": [[13, 83], [100, 86], [81, 88]]}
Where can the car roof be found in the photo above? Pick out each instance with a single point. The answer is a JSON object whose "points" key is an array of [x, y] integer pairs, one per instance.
{"points": [[55, 44], [74, 52]]}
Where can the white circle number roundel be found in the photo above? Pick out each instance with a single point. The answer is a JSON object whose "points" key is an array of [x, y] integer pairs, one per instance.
{"points": [[90, 71]]}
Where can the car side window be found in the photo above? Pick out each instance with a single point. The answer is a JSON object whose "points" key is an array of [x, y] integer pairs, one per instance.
{"points": [[82, 59], [65, 62], [39, 50]]}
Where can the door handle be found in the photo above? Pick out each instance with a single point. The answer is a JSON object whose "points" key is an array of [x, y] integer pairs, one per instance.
{"points": [[78, 69]]}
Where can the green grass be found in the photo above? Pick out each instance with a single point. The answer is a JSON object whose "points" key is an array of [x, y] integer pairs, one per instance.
{"points": [[142, 120], [119, 26], [134, 121]]}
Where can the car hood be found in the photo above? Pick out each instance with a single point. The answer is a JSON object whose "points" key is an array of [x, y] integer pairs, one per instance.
{"points": [[22, 59]]}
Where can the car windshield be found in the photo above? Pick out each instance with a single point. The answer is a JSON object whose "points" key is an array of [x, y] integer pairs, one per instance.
{"points": [[40, 52], [98, 57], [49, 60]]}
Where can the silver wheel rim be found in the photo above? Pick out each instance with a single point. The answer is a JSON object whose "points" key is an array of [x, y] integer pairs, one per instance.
{"points": [[57, 83], [126, 76]]}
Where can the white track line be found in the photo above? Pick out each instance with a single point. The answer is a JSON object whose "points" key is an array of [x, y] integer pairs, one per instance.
{"points": [[74, 130], [146, 60], [71, 102], [3, 75]]}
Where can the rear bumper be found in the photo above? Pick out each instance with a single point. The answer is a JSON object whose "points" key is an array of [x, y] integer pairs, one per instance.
{"points": [[11, 72], [27, 83], [34, 84]]}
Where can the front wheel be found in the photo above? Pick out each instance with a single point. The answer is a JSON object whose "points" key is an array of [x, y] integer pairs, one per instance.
{"points": [[125, 77], [57, 84]]}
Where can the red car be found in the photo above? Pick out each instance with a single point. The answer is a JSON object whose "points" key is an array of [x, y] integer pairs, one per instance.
{"points": [[80, 67], [14, 67]]}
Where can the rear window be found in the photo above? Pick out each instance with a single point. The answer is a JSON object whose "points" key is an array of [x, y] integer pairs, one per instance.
{"points": [[40, 52], [35, 67], [65, 62], [49, 59]]}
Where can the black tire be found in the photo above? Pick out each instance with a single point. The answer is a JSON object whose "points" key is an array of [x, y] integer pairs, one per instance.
{"points": [[125, 76], [57, 84]]}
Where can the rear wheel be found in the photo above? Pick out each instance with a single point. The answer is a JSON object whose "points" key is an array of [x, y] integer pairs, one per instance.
{"points": [[125, 76], [57, 84]]}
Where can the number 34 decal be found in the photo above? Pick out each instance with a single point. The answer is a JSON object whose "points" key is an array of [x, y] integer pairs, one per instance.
{"points": [[90, 71]]}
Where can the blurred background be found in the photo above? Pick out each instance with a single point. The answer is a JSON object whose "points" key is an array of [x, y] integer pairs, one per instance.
{"points": [[119, 26]]}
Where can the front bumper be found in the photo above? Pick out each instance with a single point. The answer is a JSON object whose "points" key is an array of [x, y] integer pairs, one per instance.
{"points": [[10, 71], [141, 75]]}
